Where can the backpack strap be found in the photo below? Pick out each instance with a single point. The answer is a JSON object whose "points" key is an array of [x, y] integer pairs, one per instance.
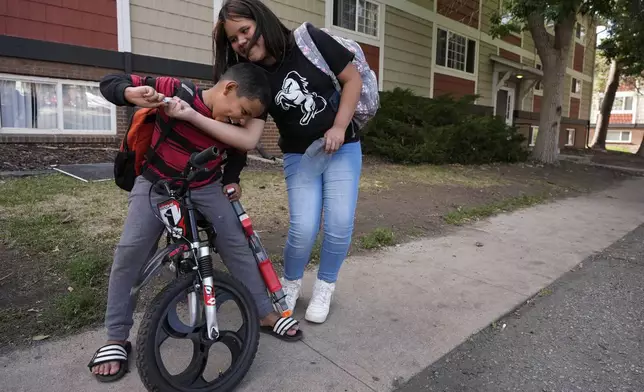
{"points": [[307, 46], [185, 90]]}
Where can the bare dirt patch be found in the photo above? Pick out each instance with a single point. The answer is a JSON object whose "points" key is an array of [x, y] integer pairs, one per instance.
{"points": [[58, 233]]}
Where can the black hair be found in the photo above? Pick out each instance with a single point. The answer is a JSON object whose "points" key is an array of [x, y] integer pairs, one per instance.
{"points": [[252, 82], [277, 37]]}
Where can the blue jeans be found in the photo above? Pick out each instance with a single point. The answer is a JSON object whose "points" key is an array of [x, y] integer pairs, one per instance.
{"points": [[336, 192]]}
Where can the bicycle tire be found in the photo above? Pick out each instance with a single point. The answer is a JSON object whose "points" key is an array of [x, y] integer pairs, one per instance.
{"points": [[147, 365]]}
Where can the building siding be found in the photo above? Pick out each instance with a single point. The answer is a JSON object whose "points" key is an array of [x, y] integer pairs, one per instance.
{"points": [[294, 12], [485, 74], [179, 30], [640, 109], [408, 52], [450, 85], [586, 100], [489, 8], [463, 11]]}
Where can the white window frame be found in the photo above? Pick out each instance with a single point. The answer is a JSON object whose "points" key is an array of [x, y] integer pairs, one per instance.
{"points": [[622, 110], [570, 131], [630, 137], [59, 93], [573, 81], [448, 70], [379, 29]]}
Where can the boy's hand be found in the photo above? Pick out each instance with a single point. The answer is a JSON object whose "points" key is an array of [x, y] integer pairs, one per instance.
{"points": [[144, 96], [233, 191], [180, 109]]}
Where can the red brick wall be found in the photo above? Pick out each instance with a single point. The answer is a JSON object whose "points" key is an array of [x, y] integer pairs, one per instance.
{"points": [[536, 104], [445, 84], [621, 119], [78, 22], [464, 11], [578, 62], [626, 86], [512, 39], [574, 107], [509, 55]]}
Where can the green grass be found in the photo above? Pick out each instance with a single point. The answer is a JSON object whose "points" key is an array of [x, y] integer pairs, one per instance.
{"points": [[618, 148], [388, 176], [378, 238], [461, 216]]}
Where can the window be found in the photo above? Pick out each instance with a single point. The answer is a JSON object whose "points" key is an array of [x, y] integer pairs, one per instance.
{"points": [[356, 15], [537, 86], [580, 32], [50, 106], [570, 137], [455, 51], [575, 86], [622, 104], [618, 136], [532, 137]]}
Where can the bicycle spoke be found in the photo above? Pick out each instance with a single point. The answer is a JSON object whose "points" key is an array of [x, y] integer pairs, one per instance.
{"points": [[197, 366], [234, 343]]}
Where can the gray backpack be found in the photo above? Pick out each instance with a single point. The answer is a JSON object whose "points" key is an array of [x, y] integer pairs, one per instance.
{"points": [[369, 97]]}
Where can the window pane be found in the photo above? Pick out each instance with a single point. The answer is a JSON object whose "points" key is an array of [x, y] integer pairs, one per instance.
{"points": [[345, 14], [471, 55], [628, 103], [367, 17], [28, 105], [626, 136], [84, 108], [618, 104], [441, 47], [456, 52]]}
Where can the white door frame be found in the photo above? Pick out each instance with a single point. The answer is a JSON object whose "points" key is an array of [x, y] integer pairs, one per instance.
{"points": [[509, 109]]}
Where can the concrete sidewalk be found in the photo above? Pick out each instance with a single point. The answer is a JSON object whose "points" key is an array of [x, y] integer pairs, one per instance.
{"points": [[397, 311]]}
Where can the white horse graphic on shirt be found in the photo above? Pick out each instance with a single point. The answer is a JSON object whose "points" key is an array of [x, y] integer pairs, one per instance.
{"points": [[294, 93]]}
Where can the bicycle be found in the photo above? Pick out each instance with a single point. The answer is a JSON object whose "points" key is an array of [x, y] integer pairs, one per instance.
{"points": [[188, 255]]}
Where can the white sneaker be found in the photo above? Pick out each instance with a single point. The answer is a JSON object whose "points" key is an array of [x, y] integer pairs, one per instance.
{"points": [[292, 289], [318, 308]]}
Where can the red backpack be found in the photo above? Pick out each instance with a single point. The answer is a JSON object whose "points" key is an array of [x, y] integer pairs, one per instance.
{"points": [[136, 149]]}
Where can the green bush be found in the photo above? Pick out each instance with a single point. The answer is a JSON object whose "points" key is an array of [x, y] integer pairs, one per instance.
{"points": [[413, 129]]}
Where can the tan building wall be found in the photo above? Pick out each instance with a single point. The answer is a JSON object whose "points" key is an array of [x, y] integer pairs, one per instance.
{"points": [[294, 12], [407, 52], [178, 30]]}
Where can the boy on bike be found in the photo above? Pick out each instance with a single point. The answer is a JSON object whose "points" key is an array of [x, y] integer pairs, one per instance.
{"points": [[241, 95]]}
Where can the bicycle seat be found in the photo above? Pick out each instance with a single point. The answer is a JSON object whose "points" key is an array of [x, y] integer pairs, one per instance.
{"points": [[201, 220]]}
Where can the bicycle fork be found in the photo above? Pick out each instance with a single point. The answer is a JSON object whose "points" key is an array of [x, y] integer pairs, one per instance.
{"points": [[263, 261]]}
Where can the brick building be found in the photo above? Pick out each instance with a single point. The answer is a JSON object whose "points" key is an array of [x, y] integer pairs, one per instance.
{"points": [[53, 52]]}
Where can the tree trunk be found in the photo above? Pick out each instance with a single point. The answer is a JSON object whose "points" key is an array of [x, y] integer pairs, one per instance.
{"points": [[640, 151], [553, 52], [601, 129], [546, 149]]}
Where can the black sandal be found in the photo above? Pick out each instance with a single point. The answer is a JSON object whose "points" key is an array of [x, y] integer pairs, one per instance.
{"points": [[281, 327], [111, 353]]}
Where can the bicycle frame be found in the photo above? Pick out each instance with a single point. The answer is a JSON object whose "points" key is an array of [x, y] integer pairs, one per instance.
{"points": [[185, 250]]}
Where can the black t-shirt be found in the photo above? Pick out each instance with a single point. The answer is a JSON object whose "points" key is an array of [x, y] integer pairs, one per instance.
{"points": [[305, 100]]}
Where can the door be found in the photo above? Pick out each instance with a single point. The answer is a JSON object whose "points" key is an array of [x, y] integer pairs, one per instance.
{"points": [[505, 104]]}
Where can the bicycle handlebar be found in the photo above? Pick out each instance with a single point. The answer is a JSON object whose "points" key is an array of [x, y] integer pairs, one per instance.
{"points": [[199, 160]]}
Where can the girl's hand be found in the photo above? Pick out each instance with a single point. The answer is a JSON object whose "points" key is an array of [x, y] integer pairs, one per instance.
{"points": [[180, 110], [334, 138]]}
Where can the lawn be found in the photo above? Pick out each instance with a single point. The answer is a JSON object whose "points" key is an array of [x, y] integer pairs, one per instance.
{"points": [[58, 234]]}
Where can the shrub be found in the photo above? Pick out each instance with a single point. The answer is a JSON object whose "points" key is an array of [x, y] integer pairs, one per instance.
{"points": [[413, 129]]}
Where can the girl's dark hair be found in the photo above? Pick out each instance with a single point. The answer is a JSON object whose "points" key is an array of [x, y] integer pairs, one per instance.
{"points": [[277, 37]]}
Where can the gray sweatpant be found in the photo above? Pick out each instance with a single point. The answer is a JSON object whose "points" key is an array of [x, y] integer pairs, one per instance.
{"points": [[141, 234]]}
